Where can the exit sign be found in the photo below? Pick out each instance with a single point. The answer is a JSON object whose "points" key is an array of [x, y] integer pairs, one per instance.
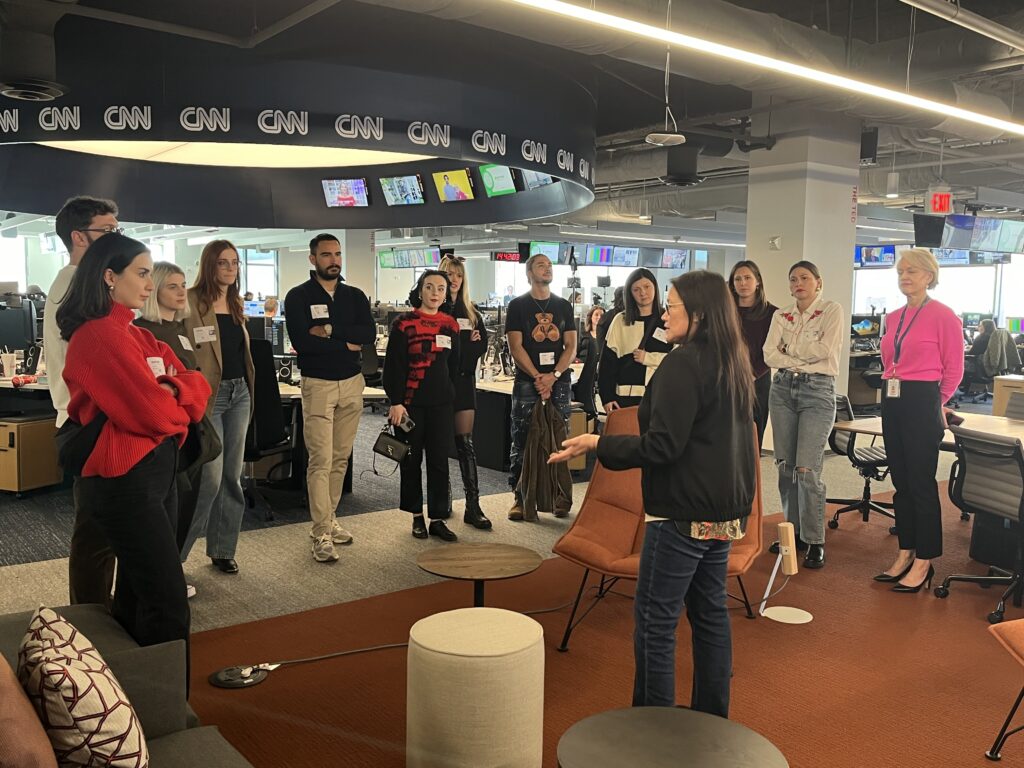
{"points": [[940, 200]]}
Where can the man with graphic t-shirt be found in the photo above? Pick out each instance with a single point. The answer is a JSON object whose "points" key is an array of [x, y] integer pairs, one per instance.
{"points": [[541, 335]]}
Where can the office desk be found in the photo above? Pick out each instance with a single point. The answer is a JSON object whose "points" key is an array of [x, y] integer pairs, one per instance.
{"points": [[1001, 389], [993, 425]]}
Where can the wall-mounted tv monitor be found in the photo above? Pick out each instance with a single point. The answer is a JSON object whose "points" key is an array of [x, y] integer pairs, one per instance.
{"points": [[1011, 237], [547, 248], [498, 180], [533, 179], [676, 258], [928, 230], [1014, 325], [432, 257], [386, 259], [985, 236], [346, 193], [625, 256], [865, 326], [568, 250], [952, 257], [401, 259], [958, 232], [453, 186], [599, 255], [875, 255], [403, 190], [650, 258], [989, 258]]}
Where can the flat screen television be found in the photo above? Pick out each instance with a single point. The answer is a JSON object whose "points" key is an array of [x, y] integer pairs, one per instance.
{"points": [[676, 258], [533, 179], [1011, 237], [928, 230], [1014, 324], [624, 256], [498, 180], [566, 251], [957, 232], [875, 255], [346, 193], [454, 186], [403, 190], [650, 258], [547, 248], [599, 255], [952, 257], [386, 259], [401, 259], [985, 236], [989, 258], [865, 326], [973, 319]]}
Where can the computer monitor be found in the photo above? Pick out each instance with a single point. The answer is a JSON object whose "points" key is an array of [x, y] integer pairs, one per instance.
{"points": [[865, 326], [17, 327], [973, 319], [257, 327], [276, 335], [253, 308], [1014, 325]]}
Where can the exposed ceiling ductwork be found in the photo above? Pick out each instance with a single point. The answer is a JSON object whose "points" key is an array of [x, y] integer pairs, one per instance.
{"points": [[28, 57]]}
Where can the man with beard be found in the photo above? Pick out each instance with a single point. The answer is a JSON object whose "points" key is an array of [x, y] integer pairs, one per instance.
{"points": [[328, 324]]}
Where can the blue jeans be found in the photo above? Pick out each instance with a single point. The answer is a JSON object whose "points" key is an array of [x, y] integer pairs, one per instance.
{"points": [[678, 570], [524, 398], [221, 503], [803, 410]]}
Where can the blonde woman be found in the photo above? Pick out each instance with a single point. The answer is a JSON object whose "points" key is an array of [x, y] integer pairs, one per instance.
{"points": [[472, 346], [803, 345]]}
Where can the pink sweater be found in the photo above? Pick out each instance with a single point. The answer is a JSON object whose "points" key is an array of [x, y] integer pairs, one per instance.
{"points": [[933, 348]]}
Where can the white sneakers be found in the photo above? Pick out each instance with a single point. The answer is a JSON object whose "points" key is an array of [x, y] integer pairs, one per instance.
{"points": [[323, 549], [338, 534], [190, 591]]}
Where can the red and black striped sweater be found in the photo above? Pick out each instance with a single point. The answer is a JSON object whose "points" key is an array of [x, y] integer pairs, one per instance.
{"points": [[422, 359]]}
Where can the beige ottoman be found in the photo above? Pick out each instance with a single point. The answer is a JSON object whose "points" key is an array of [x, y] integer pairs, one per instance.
{"points": [[475, 690]]}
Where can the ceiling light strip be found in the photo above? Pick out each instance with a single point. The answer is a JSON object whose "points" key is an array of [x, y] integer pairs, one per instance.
{"points": [[830, 79], [596, 237]]}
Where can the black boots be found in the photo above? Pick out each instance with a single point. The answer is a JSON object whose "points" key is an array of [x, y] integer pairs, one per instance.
{"points": [[467, 463]]}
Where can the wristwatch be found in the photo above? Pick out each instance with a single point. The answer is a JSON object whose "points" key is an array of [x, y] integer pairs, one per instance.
{"points": [[557, 374], [328, 329]]}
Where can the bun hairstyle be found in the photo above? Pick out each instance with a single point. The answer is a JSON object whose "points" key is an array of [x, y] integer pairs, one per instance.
{"points": [[415, 299]]}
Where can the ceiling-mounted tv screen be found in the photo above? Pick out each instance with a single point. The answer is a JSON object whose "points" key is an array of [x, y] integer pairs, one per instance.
{"points": [[874, 255], [625, 256], [453, 186], [985, 236], [386, 259], [958, 231], [346, 193], [989, 258], [599, 255], [533, 179], [1011, 237], [676, 258], [952, 257], [650, 258], [498, 180], [403, 190], [548, 249], [928, 230]]}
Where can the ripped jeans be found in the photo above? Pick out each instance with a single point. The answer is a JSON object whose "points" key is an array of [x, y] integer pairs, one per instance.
{"points": [[803, 409]]}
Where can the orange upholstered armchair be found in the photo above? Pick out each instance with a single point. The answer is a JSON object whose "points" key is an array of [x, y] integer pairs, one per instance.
{"points": [[608, 532]]}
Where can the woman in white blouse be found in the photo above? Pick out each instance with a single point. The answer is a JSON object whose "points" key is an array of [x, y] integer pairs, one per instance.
{"points": [[803, 344]]}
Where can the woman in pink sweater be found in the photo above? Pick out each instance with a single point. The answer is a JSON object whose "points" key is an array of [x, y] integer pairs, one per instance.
{"points": [[923, 360]]}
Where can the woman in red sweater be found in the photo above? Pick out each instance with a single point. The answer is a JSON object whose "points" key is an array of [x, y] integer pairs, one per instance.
{"points": [[120, 371]]}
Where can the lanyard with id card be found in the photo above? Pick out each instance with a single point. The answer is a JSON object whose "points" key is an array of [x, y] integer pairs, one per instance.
{"points": [[892, 386]]}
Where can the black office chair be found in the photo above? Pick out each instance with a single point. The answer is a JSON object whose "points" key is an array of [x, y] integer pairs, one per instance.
{"points": [[989, 480], [267, 435], [871, 462], [372, 377], [586, 388]]}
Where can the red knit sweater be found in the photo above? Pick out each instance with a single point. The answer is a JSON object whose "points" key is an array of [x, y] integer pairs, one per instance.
{"points": [[108, 369]]}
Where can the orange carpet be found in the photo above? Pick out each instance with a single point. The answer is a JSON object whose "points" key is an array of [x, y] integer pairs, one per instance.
{"points": [[877, 679]]}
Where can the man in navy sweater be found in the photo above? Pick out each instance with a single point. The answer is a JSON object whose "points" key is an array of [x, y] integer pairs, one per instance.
{"points": [[328, 324]]}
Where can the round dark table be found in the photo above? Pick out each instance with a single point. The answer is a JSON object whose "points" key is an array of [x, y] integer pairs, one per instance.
{"points": [[664, 737], [479, 563]]}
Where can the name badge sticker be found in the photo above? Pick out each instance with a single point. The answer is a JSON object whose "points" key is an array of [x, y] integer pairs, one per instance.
{"points": [[319, 311], [156, 365], [205, 334], [441, 341], [547, 358], [185, 343], [660, 335], [465, 324]]}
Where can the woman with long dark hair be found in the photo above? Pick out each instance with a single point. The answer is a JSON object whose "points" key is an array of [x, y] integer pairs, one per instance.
{"points": [[216, 327], [696, 453], [803, 344], [635, 344], [588, 341], [472, 345], [421, 368], [117, 371], [756, 311]]}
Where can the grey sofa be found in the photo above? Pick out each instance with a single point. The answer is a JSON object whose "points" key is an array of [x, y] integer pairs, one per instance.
{"points": [[154, 680]]}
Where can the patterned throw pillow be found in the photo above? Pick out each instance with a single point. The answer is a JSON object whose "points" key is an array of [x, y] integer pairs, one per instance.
{"points": [[80, 703]]}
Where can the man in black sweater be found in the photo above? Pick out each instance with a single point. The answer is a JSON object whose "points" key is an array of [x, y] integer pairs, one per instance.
{"points": [[328, 324]]}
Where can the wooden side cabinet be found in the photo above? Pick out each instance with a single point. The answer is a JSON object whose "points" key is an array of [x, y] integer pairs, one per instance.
{"points": [[28, 454]]}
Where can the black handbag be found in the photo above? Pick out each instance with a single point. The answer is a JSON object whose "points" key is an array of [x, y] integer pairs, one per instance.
{"points": [[390, 447], [75, 442]]}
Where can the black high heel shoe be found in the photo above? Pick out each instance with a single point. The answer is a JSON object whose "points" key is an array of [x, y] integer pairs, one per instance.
{"points": [[883, 576], [926, 583]]}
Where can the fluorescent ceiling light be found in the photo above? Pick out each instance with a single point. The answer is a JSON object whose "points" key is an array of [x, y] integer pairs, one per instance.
{"points": [[597, 237], [739, 55], [884, 229], [234, 155]]}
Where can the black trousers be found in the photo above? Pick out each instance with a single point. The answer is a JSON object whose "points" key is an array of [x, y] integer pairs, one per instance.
{"points": [[762, 387], [188, 494], [138, 515], [91, 560], [912, 429], [433, 436]]}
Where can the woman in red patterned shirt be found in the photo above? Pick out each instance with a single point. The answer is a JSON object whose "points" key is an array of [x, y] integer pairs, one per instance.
{"points": [[421, 366], [117, 370]]}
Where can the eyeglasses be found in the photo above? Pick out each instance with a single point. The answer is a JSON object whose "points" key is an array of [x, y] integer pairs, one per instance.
{"points": [[106, 230], [227, 264], [670, 304]]}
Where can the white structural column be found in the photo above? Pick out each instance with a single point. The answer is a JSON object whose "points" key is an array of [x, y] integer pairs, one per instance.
{"points": [[802, 204], [360, 261]]}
